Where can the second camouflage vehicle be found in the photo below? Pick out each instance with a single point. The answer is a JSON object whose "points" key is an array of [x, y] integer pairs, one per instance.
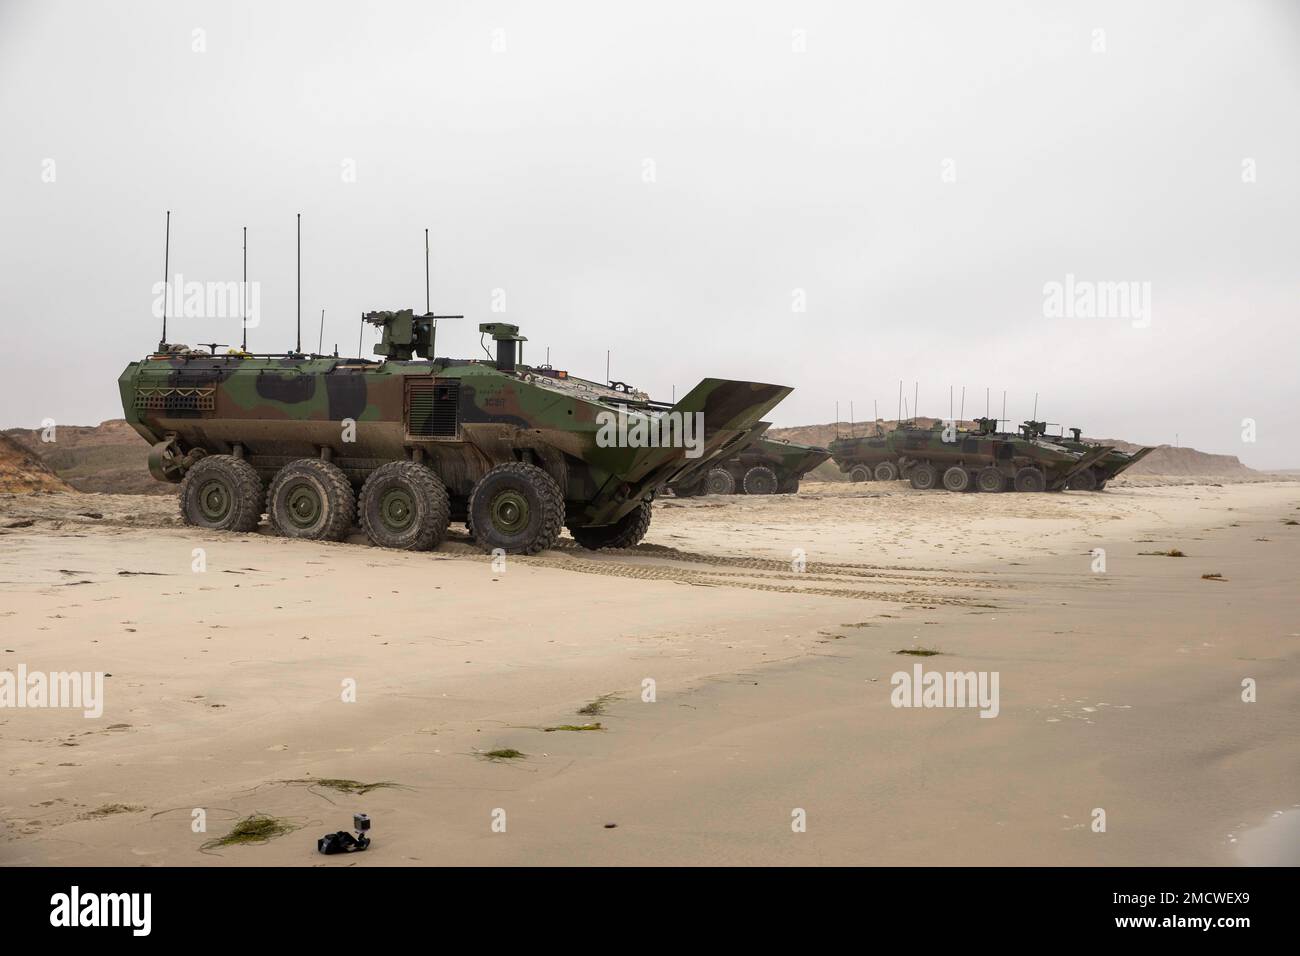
{"points": [[976, 459], [405, 445], [765, 466]]}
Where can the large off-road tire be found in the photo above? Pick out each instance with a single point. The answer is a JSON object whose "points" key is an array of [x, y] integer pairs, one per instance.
{"points": [[924, 476], [719, 482], [886, 471], [313, 500], [404, 505], [516, 507], [1101, 484], [760, 480], [990, 481], [860, 473], [1085, 480], [1030, 478], [626, 532], [789, 487], [221, 493], [956, 478]]}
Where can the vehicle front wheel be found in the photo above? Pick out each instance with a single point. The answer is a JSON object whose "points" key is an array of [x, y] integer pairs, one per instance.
{"points": [[516, 507], [886, 471], [860, 473], [626, 532]]}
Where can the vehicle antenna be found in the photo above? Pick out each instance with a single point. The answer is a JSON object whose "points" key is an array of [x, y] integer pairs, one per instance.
{"points": [[986, 401], [1035, 415], [360, 332], [320, 341], [875, 413], [853, 433], [899, 420], [298, 349], [1004, 404], [427, 307], [916, 394], [962, 413], [167, 249], [243, 304], [837, 419], [950, 403], [606, 366]]}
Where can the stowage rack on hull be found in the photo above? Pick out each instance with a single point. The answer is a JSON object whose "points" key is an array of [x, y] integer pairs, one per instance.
{"points": [[405, 445]]}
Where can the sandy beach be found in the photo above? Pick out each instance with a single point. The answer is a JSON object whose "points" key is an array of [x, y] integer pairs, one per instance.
{"points": [[766, 629]]}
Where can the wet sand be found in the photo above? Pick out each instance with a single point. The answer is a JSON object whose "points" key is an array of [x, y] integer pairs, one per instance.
{"points": [[1118, 690]]}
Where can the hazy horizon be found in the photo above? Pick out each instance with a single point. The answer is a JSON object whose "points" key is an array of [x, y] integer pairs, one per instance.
{"points": [[826, 196]]}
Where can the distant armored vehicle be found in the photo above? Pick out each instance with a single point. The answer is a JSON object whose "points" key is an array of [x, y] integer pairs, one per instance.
{"points": [[1094, 478], [977, 459], [869, 458], [410, 443], [765, 466]]}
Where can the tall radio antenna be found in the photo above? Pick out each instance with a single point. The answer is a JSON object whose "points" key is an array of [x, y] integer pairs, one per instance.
{"points": [[299, 347], [243, 299], [167, 248]]}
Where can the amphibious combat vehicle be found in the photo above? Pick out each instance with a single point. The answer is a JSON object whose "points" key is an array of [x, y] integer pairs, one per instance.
{"points": [[1094, 478], [410, 443], [976, 459], [866, 458], [765, 466]]}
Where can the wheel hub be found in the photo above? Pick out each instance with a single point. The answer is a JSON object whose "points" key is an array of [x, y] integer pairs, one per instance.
{"points": [[215, 500], [510, 512], [396, 510], [304, 505]]}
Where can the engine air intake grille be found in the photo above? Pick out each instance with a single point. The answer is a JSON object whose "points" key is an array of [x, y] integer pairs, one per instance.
{"points": [[432, 409]]}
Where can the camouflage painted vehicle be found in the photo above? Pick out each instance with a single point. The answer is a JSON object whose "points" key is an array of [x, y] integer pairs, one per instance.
{"points": [[408, 444], [984, 459], [765, 466], [976, 459], [1094, 478], [869, 458]]}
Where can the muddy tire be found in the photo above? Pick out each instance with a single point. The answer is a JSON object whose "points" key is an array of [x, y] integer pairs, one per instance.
{"points": [[404, 505], [1085, 480], [956, 478], [221, 493], [860, 473], [516, 507], [1030, 479], [760, 480], [886, 471], [719, 482], [924, 476], [990, 481], [312, 500], [626, 532]]}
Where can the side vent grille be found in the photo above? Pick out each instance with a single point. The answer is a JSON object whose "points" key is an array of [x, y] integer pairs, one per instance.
{"points": [[159, 399], [432, 408]]}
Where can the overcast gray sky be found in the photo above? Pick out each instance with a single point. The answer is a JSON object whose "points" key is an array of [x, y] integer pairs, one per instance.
{"points": [[833, 196]]}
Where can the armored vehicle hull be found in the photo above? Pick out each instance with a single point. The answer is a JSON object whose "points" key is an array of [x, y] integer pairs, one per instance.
{"points": [[764, 466], [979, 459], [405, 446], [1095, 477]]}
